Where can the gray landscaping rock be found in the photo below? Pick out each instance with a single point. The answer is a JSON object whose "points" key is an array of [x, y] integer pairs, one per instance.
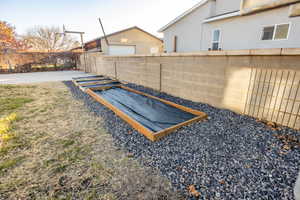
{"points": [[230, 147]]}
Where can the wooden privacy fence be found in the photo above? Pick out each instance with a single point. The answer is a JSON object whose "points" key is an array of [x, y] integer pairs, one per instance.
{"points": [[274, 95], [14, 62]]}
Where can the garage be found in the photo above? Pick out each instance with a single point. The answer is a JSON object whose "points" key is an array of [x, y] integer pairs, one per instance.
{"points": [[126, 42], [121, 50]]}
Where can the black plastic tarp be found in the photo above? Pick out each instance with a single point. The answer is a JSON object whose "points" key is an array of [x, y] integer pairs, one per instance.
{"points": [[101, 85], [90, 81], [78, 78], [151, 113]]}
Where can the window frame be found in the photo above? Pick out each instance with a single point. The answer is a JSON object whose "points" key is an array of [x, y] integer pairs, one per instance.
{"points": [[212, 39], [274, 33]]}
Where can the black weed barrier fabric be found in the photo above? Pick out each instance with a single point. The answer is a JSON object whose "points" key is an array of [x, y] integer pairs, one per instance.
{"points": [[151, 113], [230, 156], [89, 81], [101, 85], [84, 77]]}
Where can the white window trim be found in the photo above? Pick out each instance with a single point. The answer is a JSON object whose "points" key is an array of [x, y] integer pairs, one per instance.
{"points": [[212, 38], [275, 29]]}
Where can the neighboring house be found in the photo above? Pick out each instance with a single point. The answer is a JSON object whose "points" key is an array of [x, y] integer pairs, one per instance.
{"points": [[235, 25], [77, 50], [126, 42]]}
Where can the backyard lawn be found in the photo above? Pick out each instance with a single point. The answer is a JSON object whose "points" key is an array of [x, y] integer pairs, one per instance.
{"points": [[52, 147]]}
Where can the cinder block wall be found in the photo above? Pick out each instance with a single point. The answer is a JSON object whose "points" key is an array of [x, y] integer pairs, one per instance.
{"points": [[221, 79]]}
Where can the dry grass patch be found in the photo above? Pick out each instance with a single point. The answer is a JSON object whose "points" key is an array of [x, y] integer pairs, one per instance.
{"points": [[58, 150]]}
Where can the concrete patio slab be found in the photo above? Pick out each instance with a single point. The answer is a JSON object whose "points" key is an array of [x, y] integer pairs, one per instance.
{"points": [[39, 77]]}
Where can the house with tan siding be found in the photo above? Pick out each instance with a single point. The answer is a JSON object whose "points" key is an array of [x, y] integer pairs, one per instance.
{"points": [[235, 25], [130, 41]]}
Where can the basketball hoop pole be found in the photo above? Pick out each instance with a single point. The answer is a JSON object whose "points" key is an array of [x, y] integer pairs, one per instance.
{"points": [[82, 44]]}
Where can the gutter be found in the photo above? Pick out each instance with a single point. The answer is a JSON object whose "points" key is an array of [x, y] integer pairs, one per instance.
{"points": [[221, 17]]}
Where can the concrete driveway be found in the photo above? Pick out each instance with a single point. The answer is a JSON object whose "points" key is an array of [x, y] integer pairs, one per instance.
{"points": [[39, 77]]}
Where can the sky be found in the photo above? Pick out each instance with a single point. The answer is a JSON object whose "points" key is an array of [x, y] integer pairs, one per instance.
{"points": [[82, 15]]}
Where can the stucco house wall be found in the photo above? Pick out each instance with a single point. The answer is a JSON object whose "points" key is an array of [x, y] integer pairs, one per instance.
{"points": [[188, 31], [244, 32], [237, 32], [225, 6]]}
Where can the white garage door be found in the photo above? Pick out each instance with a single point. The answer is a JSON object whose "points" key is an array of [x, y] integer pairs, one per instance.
{"points": [[121, 50]]}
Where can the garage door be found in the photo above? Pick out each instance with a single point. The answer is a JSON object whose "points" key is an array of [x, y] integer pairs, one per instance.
{"points": [[121, 50]]}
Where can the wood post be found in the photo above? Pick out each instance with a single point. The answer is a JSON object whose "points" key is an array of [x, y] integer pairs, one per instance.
{"points": [[175, 44], [116, 72], [160, 76]]}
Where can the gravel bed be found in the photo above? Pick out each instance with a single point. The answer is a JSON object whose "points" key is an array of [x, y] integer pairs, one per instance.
{"points": [[230, 156]]}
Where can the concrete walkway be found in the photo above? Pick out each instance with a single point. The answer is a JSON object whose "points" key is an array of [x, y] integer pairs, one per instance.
{"points": [[39, 77]]}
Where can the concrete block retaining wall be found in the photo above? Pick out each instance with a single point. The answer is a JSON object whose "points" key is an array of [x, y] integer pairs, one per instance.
{"points": [[221, 79]]}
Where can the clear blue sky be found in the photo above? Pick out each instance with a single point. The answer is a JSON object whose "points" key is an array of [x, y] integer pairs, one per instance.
{"points": [[82, 15]]}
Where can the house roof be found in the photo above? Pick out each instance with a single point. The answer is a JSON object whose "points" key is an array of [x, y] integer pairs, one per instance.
{"points": [[124, 30], [180, 17]]}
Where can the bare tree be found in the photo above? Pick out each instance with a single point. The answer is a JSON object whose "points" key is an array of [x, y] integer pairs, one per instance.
{"points": [[46, 39]]}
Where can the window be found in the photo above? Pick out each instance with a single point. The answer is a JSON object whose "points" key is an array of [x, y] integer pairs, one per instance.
{"points": [[282, 31], [268, 33], [276, 32], [216, 40]]}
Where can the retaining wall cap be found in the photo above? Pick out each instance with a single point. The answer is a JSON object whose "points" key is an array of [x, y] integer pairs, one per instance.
{"points": [[238, 52], [265, 52], [290, 51], [246, 52]]}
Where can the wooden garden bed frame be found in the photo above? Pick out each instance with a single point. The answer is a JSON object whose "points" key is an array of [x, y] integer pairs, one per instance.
{"points": [[100, 87], [89, 77], [94, 81], [97, 82], [153, 136]]}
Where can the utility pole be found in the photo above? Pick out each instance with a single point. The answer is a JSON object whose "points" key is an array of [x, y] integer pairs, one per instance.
{"points": [[103, 31]]}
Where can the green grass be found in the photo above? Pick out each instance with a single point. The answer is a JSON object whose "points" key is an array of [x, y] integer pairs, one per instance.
{"points": [[16, 142], [10, 163], [65, 143], [5, 87], [59, 168], [8, 86], [74, 154], [66, 158], [45, 154], [10, 104]]}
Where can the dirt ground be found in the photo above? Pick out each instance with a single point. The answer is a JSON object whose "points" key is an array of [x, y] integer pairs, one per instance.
{"points": [[51, 147]]}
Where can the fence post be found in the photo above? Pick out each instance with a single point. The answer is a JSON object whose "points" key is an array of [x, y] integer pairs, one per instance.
{"points": [[116, 72], [160, 76]]}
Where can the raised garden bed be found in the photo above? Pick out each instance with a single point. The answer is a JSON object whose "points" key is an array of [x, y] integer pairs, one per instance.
{"points": [[151, 116]]}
